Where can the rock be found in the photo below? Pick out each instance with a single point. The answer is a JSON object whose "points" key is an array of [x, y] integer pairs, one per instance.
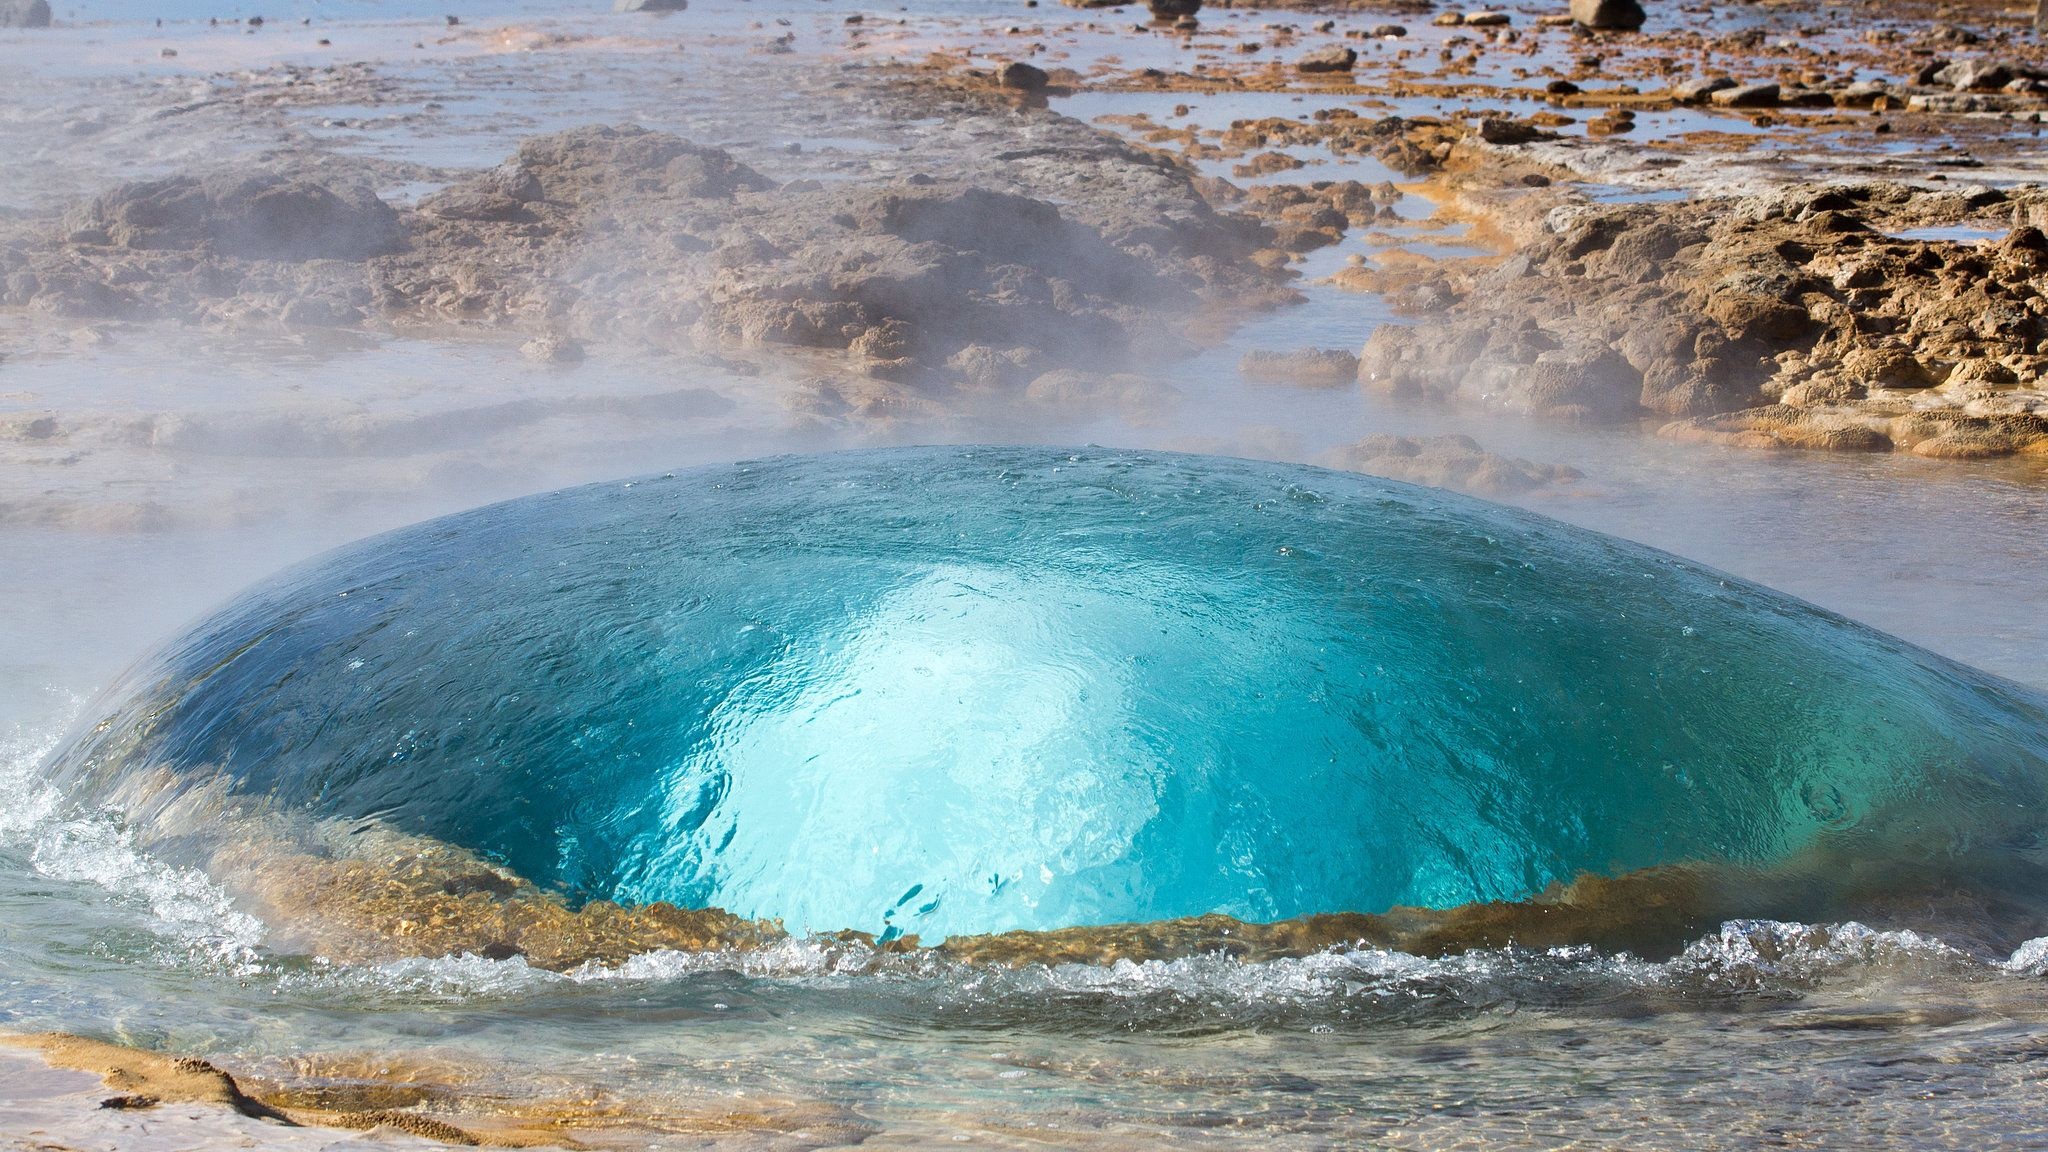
{"points": [[1173, 9], [1311, 366], [1755, 95], [1334, 58], [2025, 248], [649, 5], [1448, 19], [1456, 462], [1887, 367], [1138, 398], [552, 349], [1501, 130], [1698, 89], [1822, 389], [1265, 164], [1966, 102], [1578, 383], [473, 204], [1781, 426], [1610, 123], [644, 236], [1387, 32], [1799, 296], [1623, 14], [1862, 93], [1754, 316], [1561, 88], [1023, 77], [1486, 19], [24, 13], [1974, 75], [258, 216], [996, 369], [1073, 246]]}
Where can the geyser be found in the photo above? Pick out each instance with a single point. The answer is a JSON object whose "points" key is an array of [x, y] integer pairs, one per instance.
{"points": [[962, 690]]}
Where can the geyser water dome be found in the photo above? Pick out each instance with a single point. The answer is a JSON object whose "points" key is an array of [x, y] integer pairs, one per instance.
{"points": [[953, 690]]}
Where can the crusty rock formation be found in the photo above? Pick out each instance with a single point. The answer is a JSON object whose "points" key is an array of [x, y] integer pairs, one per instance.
{"points": [[259, 216], [1311, 367], [1085, 253], [207, 248], [607, 232], [1796, 319]]}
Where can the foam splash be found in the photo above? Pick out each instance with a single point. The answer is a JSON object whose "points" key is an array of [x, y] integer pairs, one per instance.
{"points": [[1743, 961], [182, 906]]}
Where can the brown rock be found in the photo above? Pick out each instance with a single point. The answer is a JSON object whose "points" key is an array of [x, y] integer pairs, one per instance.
{"points": [[1023, 77], [1333, 58], [1627, 15], [1320, 367]]}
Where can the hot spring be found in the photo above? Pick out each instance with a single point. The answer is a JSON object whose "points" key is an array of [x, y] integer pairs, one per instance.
{"points": [[951, 691]]}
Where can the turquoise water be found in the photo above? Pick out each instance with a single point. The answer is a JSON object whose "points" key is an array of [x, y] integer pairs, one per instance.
{"points": [[968, 690]]}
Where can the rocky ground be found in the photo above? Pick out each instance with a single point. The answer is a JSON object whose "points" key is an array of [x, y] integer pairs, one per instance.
{"points": [[1019, 255], [1811, 316], [1803, 265], [1048, 246]]}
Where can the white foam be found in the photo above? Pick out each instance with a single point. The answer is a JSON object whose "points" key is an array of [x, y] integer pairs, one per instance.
{"points": [[461, 978], [184, 906], [2030, 958], [792, 959], [1746, 953]]}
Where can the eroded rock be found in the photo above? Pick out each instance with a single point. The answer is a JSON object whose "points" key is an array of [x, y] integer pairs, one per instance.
{"points": [[1023, 77], [1622, 14], [260, 216], [1085, 251], [1791, 319], [1333, 58], [1315, 367]]}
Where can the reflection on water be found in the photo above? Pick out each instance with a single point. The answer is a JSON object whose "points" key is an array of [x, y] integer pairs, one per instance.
{"points": [[1954, 234]]}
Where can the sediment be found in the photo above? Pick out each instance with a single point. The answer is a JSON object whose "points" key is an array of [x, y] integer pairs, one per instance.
{"points": [[450, 1105]]}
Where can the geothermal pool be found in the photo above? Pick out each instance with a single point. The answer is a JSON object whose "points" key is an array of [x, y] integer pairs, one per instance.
{"points": [[949, 691], [1818, 776], [957, 691]]}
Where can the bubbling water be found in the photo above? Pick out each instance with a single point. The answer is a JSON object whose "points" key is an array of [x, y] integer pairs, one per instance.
{"points": [[970, 690]]}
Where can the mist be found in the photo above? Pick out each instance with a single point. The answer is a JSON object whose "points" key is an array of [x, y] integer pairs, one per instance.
{"points": [[264, 297]]}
